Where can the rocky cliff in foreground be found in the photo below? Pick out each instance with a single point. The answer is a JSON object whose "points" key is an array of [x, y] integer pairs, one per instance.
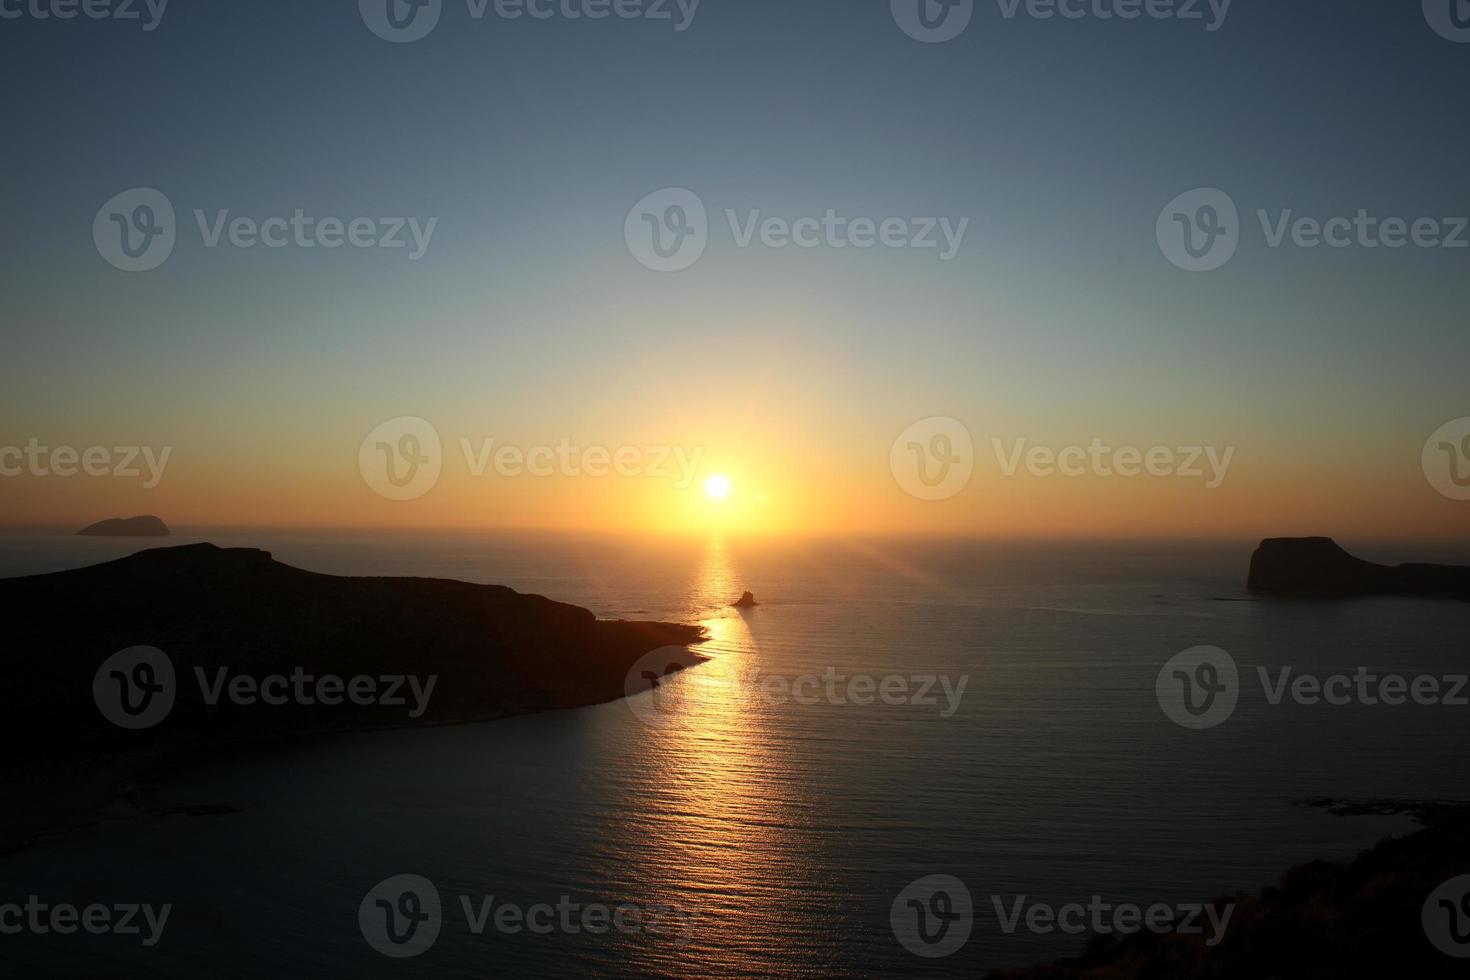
{"points": [[1394, 911]]}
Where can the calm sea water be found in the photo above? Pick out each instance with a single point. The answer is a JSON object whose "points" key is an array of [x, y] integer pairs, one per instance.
{"points": [[783, 831]]}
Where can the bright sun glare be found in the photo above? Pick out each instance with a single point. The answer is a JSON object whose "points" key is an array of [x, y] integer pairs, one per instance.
{"points": [[718, 486]]}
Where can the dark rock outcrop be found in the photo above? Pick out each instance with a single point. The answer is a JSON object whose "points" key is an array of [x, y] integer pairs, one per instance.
{"points": [[1321, 920], [146, 526], [1318, 568], [746, 601], [494, 651], [236, 615]]}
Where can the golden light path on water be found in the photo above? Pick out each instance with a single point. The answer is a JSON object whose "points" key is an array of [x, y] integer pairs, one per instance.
{"points": [[722, 831]]}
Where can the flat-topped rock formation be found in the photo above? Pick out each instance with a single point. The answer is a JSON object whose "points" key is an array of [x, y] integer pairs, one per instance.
{"points": [[146, 526], [1318, 568]]}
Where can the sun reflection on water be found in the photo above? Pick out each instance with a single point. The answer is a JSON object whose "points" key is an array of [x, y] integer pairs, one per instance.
{"points": [[721, 825]]}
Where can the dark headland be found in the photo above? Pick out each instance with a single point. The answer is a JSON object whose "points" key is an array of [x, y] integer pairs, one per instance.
{"points": [[493, 651], [1318, 568], [145, 526], [1321, 921]]}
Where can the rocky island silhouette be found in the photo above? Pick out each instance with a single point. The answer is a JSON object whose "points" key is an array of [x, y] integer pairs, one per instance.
{"points": [[172, 652], [144, 526], [1319, 568]]}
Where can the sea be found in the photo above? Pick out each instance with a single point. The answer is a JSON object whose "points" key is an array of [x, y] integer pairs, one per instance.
{"points": [[903, 727]]}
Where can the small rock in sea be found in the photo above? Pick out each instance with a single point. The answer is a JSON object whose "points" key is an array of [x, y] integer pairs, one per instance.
{"points": [[746, 601]]}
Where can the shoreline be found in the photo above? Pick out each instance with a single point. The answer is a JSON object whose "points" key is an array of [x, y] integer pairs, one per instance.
{"points": [[128, 773], [112, 650]]}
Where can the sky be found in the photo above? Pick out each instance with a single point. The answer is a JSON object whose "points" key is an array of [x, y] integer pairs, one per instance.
{"points": [[530, 153]]}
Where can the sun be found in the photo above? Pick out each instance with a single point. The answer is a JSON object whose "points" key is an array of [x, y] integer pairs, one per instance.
{"points": [[718, 486]]}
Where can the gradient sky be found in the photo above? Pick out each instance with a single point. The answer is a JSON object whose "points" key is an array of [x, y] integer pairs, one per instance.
{"points": [[528, 321]]}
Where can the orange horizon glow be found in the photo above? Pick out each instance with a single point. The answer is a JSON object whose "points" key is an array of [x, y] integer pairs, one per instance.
{"points": [[788, 496]]}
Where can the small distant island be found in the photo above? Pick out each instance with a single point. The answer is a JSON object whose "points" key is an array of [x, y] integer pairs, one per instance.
{"points": [[746, 601], [145, 526], [1319, 568]]}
